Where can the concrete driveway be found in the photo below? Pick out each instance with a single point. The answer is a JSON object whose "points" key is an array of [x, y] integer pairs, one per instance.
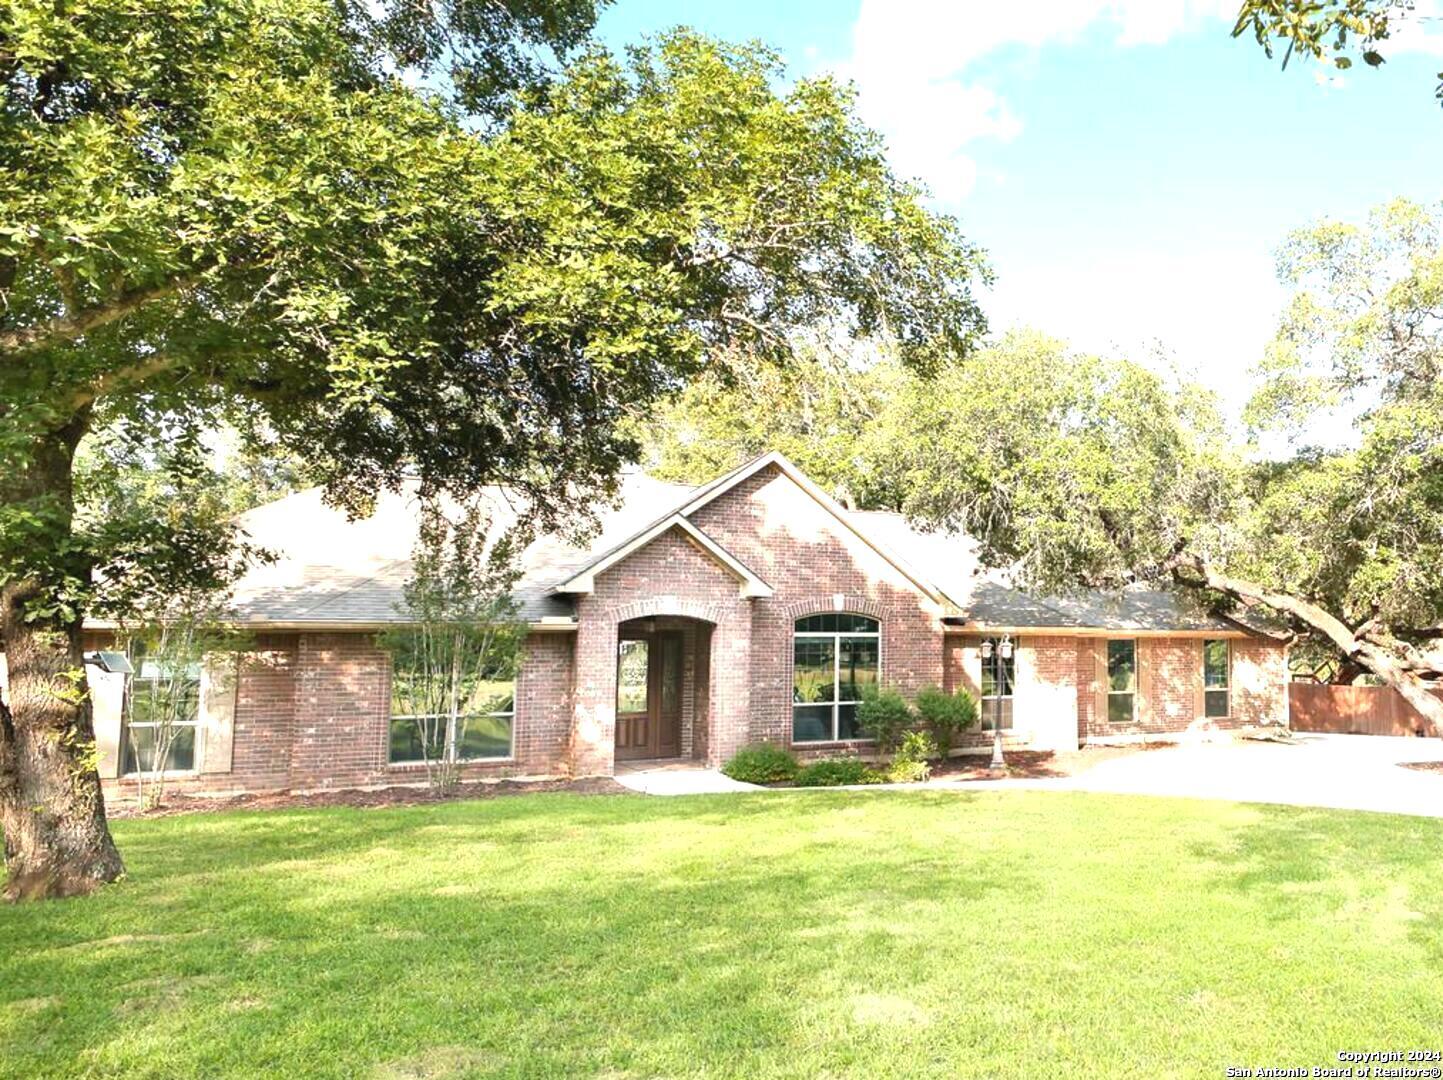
{"points": [[1348, 772]]}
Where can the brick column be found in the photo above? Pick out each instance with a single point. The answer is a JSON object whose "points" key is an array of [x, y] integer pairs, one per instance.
{"points": [[593, 713], [730, 712]]}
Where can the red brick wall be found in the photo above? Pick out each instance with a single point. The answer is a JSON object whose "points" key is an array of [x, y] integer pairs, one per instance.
{"points": [[541, 732], [673, 579], [342, 711], [808, 558], [313, 712], [1170, 687], [264, 714], [1088, 680]]}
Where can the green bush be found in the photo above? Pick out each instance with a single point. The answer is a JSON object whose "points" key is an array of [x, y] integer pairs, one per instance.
{"points": [[946, 715], [764, 763], [837, 771], [885, 716], [909, 763]]}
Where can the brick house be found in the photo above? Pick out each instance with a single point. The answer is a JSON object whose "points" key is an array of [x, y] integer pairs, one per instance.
{"points": [[698, 620]]}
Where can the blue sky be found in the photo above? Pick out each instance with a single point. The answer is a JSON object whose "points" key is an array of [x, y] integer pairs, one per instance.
{"points": [[1130, 168]]}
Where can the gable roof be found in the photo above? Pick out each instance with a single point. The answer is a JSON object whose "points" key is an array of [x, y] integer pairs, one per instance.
{"points": [[709, 493], [584, 580]]}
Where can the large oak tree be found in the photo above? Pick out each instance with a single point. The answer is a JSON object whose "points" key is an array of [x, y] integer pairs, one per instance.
{"points": [[1079, 471], [389, 237]]}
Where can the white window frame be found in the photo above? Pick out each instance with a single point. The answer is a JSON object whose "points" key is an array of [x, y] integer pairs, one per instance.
{"points": [[510, 736], [836, 702], [1227, 688], [126, 749], [392, 717], [1107, 680]]}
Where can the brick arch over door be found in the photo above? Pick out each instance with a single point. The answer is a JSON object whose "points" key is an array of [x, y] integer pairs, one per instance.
{"points": [[667, 577], [651, 606]]}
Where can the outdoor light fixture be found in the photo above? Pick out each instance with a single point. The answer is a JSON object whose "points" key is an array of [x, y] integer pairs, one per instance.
{"points": [[112, 663]]}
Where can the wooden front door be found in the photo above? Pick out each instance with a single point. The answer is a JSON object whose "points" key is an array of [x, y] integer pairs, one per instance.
{"points": [[648, 696]]}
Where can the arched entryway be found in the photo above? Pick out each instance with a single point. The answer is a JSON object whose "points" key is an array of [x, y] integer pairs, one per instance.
{"points": [[662, 688]]}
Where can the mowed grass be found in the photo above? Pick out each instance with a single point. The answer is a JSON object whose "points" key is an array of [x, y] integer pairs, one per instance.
{"points": [[780, 934]]}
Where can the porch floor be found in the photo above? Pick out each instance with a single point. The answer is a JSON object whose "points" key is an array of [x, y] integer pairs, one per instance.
{"points": [[675, 776]]}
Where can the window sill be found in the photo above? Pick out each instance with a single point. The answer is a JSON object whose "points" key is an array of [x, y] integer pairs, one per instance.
{"points": [[509, 759], [169, 774], [832, 744]]}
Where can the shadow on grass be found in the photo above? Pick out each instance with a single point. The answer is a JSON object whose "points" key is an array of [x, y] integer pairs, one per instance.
{"points": [[252, 926]]}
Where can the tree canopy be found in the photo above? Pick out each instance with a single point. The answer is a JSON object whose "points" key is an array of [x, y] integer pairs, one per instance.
{"points": [[1334, 31], [393, 240], [1079, 471]]}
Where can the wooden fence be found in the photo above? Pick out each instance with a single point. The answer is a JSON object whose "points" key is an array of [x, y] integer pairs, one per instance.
{"points": [[1352, 710]]}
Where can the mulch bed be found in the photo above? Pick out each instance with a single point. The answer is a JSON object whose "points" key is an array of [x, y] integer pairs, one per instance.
{"points": [[1040, 764], [379, 797], [1423, 766]]}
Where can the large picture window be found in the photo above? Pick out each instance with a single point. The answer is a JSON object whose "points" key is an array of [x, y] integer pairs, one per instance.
{"points": [[1217, 681], [1121, 682], [999, 676], [835, 658], [161, 697], [419, 714]]}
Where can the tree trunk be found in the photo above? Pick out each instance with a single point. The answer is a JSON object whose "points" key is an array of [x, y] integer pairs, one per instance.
{"points": [[1389, 664], [57, 841]]}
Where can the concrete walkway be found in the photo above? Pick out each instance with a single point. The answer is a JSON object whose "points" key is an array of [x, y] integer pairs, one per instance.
{"points": [[1346, 772], [1339, 771], [676, 778]]}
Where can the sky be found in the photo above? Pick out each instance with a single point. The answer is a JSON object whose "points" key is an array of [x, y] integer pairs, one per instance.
{"points": [[1130, 168]]}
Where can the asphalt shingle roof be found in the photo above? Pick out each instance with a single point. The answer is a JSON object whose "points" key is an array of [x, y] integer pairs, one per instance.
{"points": [[335, 573]]}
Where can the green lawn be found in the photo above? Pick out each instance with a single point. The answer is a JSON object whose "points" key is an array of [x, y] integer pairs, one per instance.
{"points": [[799, 934]]}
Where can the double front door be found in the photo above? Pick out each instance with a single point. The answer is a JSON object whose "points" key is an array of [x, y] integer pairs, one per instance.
{"points": [[648, 695]]}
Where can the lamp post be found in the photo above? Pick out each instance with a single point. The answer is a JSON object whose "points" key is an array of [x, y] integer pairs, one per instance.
{"points": [[998, 655]]}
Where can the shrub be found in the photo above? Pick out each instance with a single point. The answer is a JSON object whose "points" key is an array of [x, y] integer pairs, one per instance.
{"points": [[885, 716], [946, 715], [764, 763], [909, 763], [837, 771]]}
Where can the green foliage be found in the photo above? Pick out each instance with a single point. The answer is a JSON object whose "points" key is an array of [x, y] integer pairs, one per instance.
{"points": [[765, 763], [834, 772], [816, 410], [1360, 342], [884, 715], [946, 715], [909, 764], [247, 214], [462, 636], [1323, 29], [1069, 469]]}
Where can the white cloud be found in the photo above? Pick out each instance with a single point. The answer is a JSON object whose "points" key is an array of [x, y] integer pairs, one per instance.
{"points": [[1416, 31], [910, 61], [1210, 311]]}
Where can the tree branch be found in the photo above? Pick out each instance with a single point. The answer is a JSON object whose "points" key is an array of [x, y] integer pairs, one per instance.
{"points": [[119, 379], [1383, 661], [71, 326]]}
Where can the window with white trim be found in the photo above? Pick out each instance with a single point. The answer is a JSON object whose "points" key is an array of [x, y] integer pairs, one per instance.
{"points": [[1122, 681], [420, 715], [162, 711], [836, 657], [1217, 678]]}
